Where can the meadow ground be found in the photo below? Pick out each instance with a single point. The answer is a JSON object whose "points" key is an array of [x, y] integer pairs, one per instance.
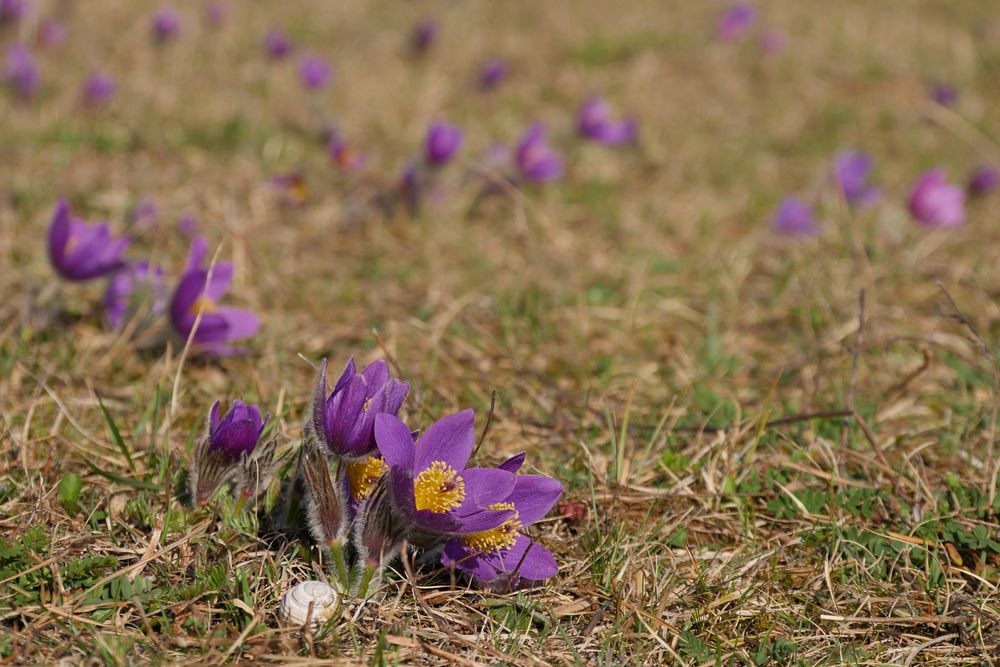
{"points": [[775, 450]]}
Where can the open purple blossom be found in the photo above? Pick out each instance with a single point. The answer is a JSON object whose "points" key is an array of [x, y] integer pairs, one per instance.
{"points": [[195, 295], [943, 93], [51, 33], [215, 13], [228, 442], [97, 89], [594, 122], [734, 23], [21, 72], [344, 420], [795, 218], [424, 35], [983, 180], [492, 73], [81, 251], [536, 161], [934, 202], [12, 11], [431, 488], [314, 72], [505, 555], [136, 286], [442, 142], [851, 171], [166, 25], [277, 44]]}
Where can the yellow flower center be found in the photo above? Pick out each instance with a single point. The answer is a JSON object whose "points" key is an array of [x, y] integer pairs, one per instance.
{"points": [[363, 474], [501, 537], [203, 304], [438, 488]]}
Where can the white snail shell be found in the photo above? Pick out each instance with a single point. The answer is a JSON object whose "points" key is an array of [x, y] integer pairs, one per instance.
{"points": [[294, 609]]}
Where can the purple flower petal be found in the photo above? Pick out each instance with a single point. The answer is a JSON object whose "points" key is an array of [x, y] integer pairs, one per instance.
{"points": [[395, 442], [450, 439], [534, 496]]}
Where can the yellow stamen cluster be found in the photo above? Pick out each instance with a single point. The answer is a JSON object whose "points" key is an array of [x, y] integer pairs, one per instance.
{"points": [[363, 474], [203, 304], [501, 537], [438, 488]]}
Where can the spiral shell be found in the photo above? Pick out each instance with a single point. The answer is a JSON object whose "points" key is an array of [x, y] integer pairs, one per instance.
{"points": [[294, 607]]}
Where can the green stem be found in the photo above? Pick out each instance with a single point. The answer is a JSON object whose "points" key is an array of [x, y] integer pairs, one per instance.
{"points": [[340, 564], [366, 580]]}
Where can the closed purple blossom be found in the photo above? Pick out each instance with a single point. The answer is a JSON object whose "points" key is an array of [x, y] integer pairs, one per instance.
{"points": [[314, 72], [137, 285], [594, 122], [492, 73], [431, 488], [21, 72], [344, 420], [277, 44], [934, 202], [194, 295], [443, 141], [238, 432], [51, 33], [12, 11], [505, 555], [851, 171], [166, 25], [734, 23], [228, 450], [98, 89], [536, 161], [983, 180], [795, 218], [81, 251], [424, 35]]}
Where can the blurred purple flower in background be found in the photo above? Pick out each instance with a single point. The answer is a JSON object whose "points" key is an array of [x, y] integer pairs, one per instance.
{"points": [[97, 89], [21, 72], [492, 73], [51, 33], [145, 212], [81, 251], [934, 202], [277, 44], [166, 25], [314, 71], [292, 187], [594, 122], [131, 288], [442, 142], [773, 42], [424, 35], [944, 94], [343, 155], [795, 218], [536, 161], [12, 11], [194, 295], [734, 23], [983, 180], [188, 225], [215, 13], [851, 171]]}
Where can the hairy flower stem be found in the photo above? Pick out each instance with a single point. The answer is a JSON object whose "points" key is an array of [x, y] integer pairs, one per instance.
{"points": [[340, 564], [366, 580]]}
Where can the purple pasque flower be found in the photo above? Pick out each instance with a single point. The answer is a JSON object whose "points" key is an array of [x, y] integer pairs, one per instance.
{"points": [[132, 287], [21, 72], [344, 420], [934, 202], [492, 73], [734, 23], [51, 33], [983, 180], [430, 487], [97, 89], [80, 251], [12, 11], [594, 122], [505, 553], [536, 161], [944, 94], [346, 157], [314, 71], [442, 142], [228, 443], [424, 35], [195, 295], [187, 224], [277, 44], [795, 218], [851, 171], [166, 25]]}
